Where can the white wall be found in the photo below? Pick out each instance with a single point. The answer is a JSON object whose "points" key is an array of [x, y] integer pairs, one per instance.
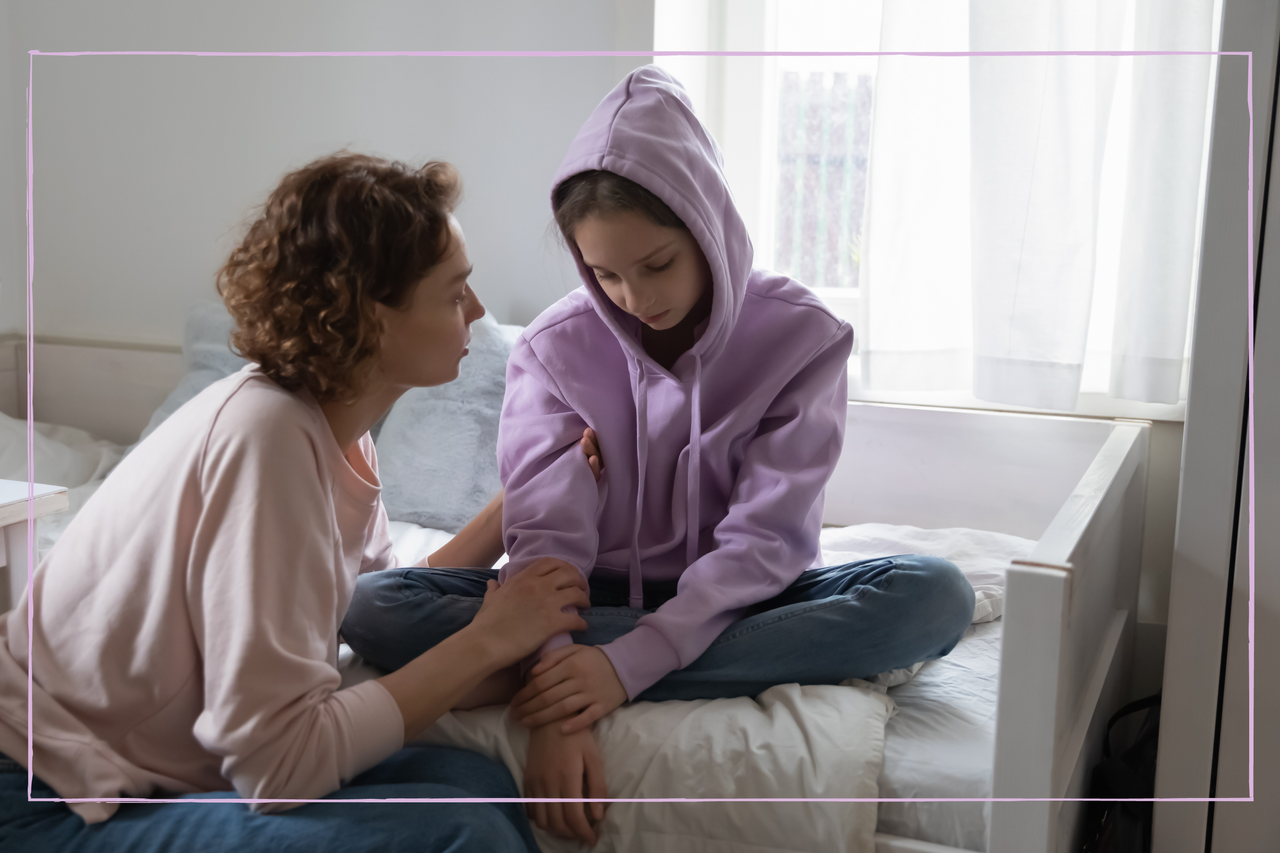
{"points": [[13, 81], [146, 167]]}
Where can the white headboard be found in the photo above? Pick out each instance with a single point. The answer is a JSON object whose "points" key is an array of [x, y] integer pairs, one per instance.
{"points": [[107, 388]]}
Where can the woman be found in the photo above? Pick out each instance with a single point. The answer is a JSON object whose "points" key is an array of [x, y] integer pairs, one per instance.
{"points": [[185, 628]]}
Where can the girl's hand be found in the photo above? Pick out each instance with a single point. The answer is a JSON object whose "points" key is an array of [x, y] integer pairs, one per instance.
{"points": [[520, 615], [591, 448], [573, 681], [561, 765]]}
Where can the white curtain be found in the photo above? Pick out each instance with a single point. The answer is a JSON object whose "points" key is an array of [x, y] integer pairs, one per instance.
{"points": [[981, 228], [1160, 224], [913, 311]]}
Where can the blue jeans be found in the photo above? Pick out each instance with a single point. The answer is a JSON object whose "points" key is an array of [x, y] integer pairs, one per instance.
{"points": [[850, 621], [420, 771]]}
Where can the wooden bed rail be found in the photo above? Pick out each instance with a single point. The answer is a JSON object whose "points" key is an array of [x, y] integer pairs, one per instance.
{"points": [[1069, 616]]}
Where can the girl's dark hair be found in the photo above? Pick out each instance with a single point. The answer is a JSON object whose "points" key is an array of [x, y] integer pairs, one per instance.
{"points": [[600, 192], [338, 235]]}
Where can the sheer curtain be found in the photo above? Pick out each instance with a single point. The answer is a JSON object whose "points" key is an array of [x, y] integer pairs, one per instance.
{"points": [[1024, 229], [1007, 316], [915, 298], [1161, 224]]}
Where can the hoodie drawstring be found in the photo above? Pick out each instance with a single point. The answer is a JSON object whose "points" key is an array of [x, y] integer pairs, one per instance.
{"points": [[694, 493], [640, 394]]}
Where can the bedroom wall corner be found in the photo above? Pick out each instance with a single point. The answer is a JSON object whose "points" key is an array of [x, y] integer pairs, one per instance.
{"points": [[13, 180], [11, 402]]}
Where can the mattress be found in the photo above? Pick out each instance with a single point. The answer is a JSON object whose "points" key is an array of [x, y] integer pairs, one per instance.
{"points": [[941, 741]]}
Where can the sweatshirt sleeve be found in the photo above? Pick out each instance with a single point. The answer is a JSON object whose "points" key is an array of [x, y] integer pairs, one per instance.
{"points": [[770, 534], [552, 501], [263, 593]]}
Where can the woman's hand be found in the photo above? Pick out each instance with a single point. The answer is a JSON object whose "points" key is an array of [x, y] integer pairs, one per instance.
{"points": [[515, 618], [591, 447], [575, 681], [520, 615], [560, 765]]}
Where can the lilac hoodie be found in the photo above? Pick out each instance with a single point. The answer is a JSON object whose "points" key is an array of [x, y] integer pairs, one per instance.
{"points": [[756, 410]]}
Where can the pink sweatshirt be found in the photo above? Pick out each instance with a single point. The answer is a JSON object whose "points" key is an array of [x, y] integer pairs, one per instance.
{"points": [[186, 624]]}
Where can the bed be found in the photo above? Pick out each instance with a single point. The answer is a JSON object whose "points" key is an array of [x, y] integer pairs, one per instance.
{"points": [[1046, 510]]}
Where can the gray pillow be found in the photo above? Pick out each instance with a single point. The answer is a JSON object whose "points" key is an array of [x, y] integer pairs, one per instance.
{"points": [[208, 356], [206, 342], [438, 448]]}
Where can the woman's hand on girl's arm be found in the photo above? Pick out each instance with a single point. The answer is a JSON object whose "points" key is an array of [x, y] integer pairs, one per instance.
{"points": [[518, 616], [479, 544], [575, 682], [514, 620], [560, 765], [591, 447]]}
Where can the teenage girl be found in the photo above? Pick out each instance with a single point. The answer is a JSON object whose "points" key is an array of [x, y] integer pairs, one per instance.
{"points": [[718, 392], [184, 630]]}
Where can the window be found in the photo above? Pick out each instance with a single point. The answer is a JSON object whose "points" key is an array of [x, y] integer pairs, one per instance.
{"points": [[799, 135]]}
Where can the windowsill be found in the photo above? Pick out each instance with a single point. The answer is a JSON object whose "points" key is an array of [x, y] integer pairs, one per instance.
{"points": [[843, 301], [1091, 405]]}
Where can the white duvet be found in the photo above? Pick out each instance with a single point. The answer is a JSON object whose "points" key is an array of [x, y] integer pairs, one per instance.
{"points": [[818, 742], [791, 741]]}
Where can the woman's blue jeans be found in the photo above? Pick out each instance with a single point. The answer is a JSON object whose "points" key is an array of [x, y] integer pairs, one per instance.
{"points": [[332, 826], [849, 621]]}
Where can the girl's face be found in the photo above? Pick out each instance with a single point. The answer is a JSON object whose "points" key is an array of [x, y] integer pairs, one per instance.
{"points": [[654, 273], [423, 342]]}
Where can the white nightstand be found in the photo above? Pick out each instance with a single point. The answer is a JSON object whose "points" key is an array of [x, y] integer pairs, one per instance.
{"points": [[13, 522]]}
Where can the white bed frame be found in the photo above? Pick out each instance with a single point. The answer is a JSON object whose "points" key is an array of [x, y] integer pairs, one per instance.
{"points": [[1077, 485]]}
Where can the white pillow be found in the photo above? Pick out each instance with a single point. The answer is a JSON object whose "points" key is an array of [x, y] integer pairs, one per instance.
{"points": [[64, 456], [438, 447], [981, 555]]}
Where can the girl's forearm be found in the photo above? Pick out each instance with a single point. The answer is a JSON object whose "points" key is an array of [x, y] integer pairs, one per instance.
{"points": [[441, 678], [478, 545]]}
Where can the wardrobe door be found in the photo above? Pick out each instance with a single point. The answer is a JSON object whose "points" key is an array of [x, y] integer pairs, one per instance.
{"points": [[1256, 825], [1208, 564]]}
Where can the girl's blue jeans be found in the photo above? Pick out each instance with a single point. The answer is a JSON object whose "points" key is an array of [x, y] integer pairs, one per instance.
{"points": [[331, 826], [849, 621]]}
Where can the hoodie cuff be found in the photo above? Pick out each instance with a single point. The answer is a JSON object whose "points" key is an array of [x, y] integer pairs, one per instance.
{"points": [[641, 658]]}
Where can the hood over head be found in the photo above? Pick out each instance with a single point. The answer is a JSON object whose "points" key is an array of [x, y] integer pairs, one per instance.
{"points": [[645, 130]]}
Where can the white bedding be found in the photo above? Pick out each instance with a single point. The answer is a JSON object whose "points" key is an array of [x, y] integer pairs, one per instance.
{"points": [[798, 742], [941, 741]]}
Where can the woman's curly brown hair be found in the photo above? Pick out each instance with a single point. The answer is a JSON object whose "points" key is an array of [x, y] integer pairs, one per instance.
{"points": [[338, 235]]}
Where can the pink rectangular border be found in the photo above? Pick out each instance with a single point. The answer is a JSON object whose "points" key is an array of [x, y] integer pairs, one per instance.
{"points": [[633, 53]]}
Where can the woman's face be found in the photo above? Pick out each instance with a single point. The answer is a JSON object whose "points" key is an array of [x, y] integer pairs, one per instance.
{"points": [[655, 273], [423, 342]]}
